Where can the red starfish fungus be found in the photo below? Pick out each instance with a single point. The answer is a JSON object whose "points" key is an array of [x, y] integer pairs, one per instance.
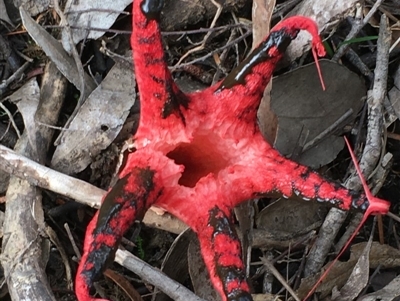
{"points": [[199, 155]]}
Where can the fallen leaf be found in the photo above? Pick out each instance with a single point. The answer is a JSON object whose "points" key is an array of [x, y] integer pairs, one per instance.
{"points": [[27, 100], [97, 123], [305, 111], [56, 53], [33, 7], [358, 278], [384, 256], [124, 284], [391, 292], [90, 14], [198, 273], [3, 13], [175, 264], [291, 217]]}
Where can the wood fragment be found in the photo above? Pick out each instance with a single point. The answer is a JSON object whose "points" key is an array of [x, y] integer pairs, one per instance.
{"points": [[24, 219], [371, 153]]}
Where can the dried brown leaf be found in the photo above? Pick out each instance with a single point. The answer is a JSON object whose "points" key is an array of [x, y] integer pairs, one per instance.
{"points": [[97, 123], [305, 111], [380, 255]]}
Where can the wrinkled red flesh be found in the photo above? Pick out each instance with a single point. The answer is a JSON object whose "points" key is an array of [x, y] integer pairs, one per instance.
{"points": [[200, 158], [199, 155]]}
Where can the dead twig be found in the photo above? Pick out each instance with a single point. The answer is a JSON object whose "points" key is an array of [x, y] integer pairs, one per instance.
{"points": [[24, 218], [149, 274], [278, 276], [379, 177], [357, 26], [234, 42], [373, 147], [164, 33], [13, 77], [47, 178], [10, 116], [55, 241], [207, 36], [225, 52], [328, 131], [72, 241], [371, 154]]}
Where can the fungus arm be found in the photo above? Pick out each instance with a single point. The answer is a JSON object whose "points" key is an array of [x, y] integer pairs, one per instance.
{"points": [[126, 202], [292, 179], [221, 251], [162, 103]]}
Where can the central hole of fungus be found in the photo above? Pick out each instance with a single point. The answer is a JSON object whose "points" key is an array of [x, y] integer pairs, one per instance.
{"points": [[200, 157]]}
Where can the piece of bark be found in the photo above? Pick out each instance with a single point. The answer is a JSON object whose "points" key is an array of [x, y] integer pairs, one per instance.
{"points": [[24, 219], [21, 256], [370, 156]]}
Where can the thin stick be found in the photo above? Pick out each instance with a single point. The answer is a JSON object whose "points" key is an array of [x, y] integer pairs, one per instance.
{"points": [[152, 275], [4, 84], [278, 276], [207, 36], [72, 241], [10, 116], [355, 30], [393, 216], [328, 131], [239, 39]]}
